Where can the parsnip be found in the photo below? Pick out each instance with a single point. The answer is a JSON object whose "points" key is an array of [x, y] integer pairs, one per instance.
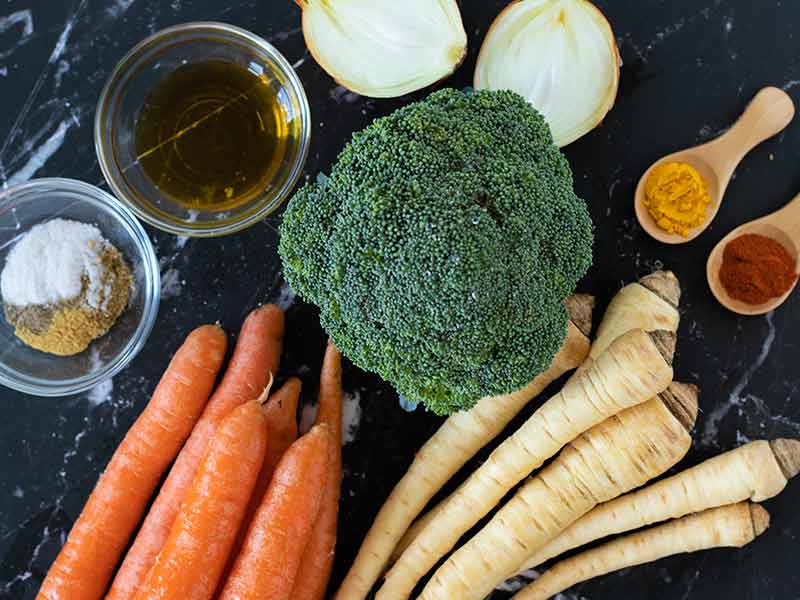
{"points": [[756, 471], [456, 441], [634, 368], [732, 526], [611, 459], [651, 305]]}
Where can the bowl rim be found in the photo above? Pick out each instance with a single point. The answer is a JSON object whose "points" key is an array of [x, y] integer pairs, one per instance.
{"points": [[152, 277], [118, 75]]}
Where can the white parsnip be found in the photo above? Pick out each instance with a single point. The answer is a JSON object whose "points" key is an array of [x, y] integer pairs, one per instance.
{"points": [[650, 304], [634, 368], [612, 458], [732, 526], [460, 437], [756, 471], [418, 527]]}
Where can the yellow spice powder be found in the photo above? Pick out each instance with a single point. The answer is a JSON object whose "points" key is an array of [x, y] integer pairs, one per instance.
{"points": [[676, 196]]}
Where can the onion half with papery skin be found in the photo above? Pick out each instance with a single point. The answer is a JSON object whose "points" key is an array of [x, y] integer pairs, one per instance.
{"points": [[559, 54], [385, 48]]}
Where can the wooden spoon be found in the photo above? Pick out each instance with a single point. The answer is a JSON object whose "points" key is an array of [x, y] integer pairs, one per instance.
{"points": [[767, 115], [782, 226]]}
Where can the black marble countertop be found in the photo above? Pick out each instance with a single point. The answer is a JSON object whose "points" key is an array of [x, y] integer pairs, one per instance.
{"points": [[690, 67]]}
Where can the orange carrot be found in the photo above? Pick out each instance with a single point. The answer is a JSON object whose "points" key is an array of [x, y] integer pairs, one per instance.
{"points": [[256, 356], [315, 568], [191, 562], [281, 413], [87, 561], [267, 565]]}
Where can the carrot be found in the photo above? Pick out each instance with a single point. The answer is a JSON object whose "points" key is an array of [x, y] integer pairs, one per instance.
{"points": [[756, 471], [87, 561], [633, 369], [193, 557], [256, 356], [268, 563], [281, 413], [609, 460], [315, 568], [732, 526], [460, 437]]}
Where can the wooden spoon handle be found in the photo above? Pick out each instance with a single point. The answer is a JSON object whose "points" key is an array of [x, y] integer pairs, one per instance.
{"points": [[788, 219], [767, 114]]}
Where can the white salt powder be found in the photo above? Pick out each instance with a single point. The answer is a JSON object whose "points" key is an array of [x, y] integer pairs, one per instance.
{"points": [[49, 264]]}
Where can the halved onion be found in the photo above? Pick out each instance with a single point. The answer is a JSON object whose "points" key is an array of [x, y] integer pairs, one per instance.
{"points": [[385, 48], [559, 54]]}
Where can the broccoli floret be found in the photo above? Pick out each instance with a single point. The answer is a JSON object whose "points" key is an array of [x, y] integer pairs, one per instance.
{"points": [[442, 246]]}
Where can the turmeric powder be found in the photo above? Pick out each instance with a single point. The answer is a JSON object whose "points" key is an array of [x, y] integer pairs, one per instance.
{"points": [[676, 196]]}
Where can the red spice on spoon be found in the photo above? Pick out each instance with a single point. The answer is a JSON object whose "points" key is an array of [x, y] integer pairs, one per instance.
{"points": [[756, 268]]}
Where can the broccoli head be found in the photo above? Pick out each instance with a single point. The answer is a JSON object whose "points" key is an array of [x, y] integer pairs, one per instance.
{"points": [[442, 246]]}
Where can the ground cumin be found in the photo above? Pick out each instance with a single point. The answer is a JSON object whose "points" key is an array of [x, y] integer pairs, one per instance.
{"points": [[69, 327], [756, 269]]}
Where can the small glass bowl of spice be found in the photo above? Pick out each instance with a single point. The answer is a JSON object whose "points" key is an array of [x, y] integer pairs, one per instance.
{"points": [[79, 287]]}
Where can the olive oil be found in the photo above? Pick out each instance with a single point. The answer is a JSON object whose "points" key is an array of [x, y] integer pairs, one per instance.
{"points": [[212, 135]]}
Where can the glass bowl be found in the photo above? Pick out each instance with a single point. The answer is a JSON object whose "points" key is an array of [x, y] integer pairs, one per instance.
{"points": [[32, 372], [126, 93]]}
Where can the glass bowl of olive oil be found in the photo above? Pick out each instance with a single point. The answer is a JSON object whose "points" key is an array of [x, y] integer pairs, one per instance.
{"points": [[203, 129]]}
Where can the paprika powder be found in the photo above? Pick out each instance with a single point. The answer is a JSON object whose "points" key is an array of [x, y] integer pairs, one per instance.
{"points": [[756, 268]]}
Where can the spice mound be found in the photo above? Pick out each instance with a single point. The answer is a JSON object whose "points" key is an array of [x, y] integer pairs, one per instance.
{"points": [[676, 196], [64, 285], [756, 269]]}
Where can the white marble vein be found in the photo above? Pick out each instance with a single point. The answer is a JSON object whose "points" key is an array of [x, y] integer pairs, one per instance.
{"points": [[61, 44], [737, 397], [171, 284], [24, 17], [666, 32], [351, 416], [41, 155], [119, 8], [285, 297], [517, 583], [15, 19], [101, 392]]}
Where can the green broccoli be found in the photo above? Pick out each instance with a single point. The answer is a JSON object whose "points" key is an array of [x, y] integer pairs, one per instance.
{"points": [[442, 246]]}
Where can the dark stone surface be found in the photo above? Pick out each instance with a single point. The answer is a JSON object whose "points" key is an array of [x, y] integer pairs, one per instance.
{"points": [[690, 68]]}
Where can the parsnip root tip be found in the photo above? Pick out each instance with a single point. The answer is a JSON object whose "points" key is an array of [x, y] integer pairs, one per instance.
{"points": [[665, 285], [760, 518], [581, 308], [665, 341], [787, 453], [682, 400]]}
